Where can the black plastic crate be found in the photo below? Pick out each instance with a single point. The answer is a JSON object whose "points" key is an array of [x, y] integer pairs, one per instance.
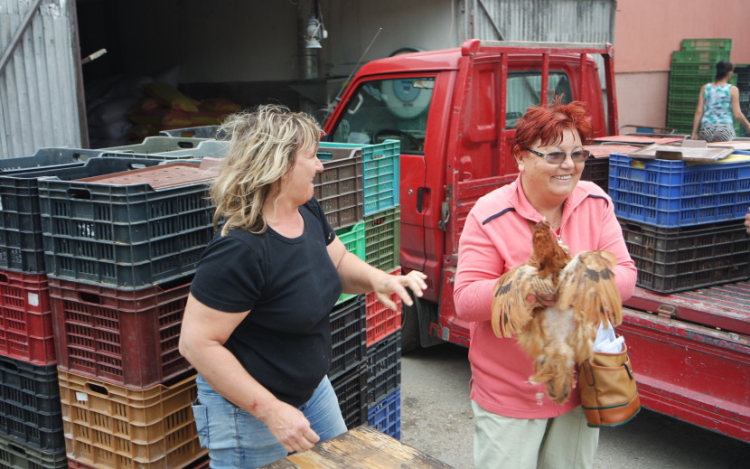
{"points": [[349, 336], [21, 242], [597, 170], [125, 236], [46, 158], [383, 368], [351, 390], [15, 456], [684, 258], [30, 410]]}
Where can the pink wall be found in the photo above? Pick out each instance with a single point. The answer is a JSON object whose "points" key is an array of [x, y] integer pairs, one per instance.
{"points": [[646, 34], [647, 31]]}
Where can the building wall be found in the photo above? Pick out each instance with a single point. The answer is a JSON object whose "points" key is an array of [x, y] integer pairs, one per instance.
{"points": [[646, 34]]}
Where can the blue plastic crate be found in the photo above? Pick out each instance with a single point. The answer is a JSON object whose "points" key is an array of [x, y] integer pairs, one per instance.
{"points": [[669, 193], [385, 416], [381, 172]]}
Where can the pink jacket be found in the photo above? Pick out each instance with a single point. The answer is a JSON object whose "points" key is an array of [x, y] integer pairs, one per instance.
{"points": [[496, 238]]}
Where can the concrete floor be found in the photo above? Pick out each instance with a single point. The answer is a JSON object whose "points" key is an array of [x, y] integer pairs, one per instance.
{"points": [[436, 418]]}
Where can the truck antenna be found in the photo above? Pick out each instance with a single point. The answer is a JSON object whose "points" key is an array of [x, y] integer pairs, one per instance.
{"points": [[356, 67]]}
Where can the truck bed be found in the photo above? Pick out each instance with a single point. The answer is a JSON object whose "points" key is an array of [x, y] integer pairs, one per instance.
{"points": [[691, 355]]}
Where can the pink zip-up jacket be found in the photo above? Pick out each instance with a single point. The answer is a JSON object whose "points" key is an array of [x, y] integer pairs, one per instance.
{"points": [[496, 238]]}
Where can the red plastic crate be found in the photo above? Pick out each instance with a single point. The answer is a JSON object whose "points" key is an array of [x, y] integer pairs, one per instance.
{"points": [[382, 321], [26, 331], [124, 337]]}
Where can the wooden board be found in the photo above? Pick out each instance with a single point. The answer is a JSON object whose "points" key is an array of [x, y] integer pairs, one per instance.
{"points": [[362, 448]]}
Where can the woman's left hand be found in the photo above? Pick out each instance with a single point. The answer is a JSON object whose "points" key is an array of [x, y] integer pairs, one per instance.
{"points": [[388, 284]]}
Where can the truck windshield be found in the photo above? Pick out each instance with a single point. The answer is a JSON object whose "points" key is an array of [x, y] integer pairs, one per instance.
{"points": [[524, 91], [387, 109]]}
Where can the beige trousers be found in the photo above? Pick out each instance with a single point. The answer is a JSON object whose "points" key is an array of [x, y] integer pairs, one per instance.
{"points": [[563, 442]]}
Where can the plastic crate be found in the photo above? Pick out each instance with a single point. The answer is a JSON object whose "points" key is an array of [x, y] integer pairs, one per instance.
{"points": [[351, 390], [207, 148], [707, 44], [107, 426], [383, 368], [596, 170], [126, 236], [21, 242], [26, 331], [46, 158], [385, 416], [699, 56], [348, 335], [693, 69], [30, 405], [382, 321], [15, 456], [127, 338], [381, 172], [353, 238], [205, 131], [339, 188], [677, 259], [681, 105], [157, 144], [671, 193], [383, 238]]}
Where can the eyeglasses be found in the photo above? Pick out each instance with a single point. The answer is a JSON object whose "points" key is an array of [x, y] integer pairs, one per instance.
{"points": [[557, 157]]}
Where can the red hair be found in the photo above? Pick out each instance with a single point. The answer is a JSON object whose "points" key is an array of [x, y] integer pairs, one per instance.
{"points": [[546, 123]]}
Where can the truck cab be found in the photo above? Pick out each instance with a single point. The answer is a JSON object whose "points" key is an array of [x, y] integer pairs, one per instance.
{"points": [[454, 112]]}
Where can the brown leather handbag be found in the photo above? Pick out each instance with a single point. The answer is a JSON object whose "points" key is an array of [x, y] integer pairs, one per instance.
{"points": [[609, 394]]}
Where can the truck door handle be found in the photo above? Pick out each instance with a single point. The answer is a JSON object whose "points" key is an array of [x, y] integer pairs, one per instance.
{"points": [[420, 201]]}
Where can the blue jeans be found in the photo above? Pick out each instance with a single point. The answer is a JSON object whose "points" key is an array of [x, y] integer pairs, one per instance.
{"points": [[235, 439]]}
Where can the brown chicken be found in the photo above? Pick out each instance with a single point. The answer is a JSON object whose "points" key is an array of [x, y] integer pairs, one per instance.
{"points": [[557, 337]]}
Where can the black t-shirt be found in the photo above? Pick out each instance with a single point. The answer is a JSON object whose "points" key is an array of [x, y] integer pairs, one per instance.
{"points": [[289, 286]]}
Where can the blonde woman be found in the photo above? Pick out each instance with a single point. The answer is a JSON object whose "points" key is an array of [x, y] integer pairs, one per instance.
{"points": [[256, 325]]}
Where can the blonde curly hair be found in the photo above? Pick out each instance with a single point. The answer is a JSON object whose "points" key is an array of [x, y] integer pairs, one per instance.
{"points": [[262, 146]]}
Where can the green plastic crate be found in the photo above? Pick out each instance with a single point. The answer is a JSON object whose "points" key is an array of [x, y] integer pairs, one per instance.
{"points": [[353, 238], [699, 56], [693, 69], [382, 238], [724, 45]]}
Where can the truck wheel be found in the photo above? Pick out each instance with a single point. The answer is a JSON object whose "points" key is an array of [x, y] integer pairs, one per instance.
{"points": [[410, 327]]}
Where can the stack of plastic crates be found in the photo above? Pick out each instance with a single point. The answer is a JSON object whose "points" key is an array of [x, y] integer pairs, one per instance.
{"points": [[366, 371], [683, 223], [692, 67], [742, 72], [120, 250], [31, 424]]}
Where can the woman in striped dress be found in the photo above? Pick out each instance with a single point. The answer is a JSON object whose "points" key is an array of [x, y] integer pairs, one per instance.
{"points": [[718, 103]]}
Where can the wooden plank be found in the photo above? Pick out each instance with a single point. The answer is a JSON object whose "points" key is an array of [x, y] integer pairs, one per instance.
{"points": [[364, 448]]}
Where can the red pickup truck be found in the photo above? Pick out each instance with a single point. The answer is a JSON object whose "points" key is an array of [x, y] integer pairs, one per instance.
{"points": [[454, 112]]}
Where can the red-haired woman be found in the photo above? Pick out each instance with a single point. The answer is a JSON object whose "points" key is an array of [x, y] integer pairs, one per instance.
{"points": [[516, 424]]}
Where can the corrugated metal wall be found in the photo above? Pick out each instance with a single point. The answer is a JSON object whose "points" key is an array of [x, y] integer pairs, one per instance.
{"points": [[541, 20], [38, 88]]}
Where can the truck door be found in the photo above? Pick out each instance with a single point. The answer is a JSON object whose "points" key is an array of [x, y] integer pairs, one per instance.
{"points": [[396, 107]]}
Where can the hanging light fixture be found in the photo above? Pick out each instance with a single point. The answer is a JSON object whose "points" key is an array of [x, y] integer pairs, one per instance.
{"points": [[314, 33]]}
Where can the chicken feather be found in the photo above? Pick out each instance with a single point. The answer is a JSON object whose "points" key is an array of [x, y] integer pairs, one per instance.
{"points": [[557, 337]]}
